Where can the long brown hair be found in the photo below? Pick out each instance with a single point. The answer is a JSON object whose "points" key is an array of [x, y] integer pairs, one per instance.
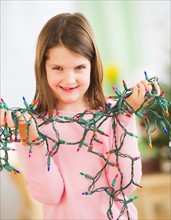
{"points": [[74, 32]]}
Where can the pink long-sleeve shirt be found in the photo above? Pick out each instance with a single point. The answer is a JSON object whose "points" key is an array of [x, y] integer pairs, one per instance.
{"points": [[60, 189]]}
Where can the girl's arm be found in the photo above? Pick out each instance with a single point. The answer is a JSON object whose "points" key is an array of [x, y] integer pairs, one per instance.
{"points": [[45, 186], [129, 172], [126, 171]]}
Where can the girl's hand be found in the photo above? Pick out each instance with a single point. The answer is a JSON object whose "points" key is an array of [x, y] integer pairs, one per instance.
{"points": [[7, 120], [138, 93]]}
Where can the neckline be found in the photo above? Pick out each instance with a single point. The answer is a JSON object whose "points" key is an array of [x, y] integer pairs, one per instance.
{"points": [[71, 113], [65, 112]]}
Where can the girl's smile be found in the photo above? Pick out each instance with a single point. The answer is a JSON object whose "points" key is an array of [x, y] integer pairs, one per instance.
{"points": [[68, 89], [68, 75]]}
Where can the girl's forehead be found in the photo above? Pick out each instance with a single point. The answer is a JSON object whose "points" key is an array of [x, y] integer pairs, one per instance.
{"points": [[63, 50], [62, 54]]}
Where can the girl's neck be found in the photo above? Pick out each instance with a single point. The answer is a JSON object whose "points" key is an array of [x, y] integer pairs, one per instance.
{"points": [[73, 108]]}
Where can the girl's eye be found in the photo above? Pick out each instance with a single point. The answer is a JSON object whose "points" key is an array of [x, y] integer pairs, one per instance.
{"points": [[57, 68], [80, 67]]}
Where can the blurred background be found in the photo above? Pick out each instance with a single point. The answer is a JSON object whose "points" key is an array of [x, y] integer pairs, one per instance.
{"points": [[133, 37]]}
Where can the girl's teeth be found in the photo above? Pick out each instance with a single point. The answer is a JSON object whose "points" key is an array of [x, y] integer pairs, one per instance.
{"points": [[67, 88]]}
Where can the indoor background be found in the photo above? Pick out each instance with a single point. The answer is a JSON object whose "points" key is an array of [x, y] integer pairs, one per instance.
{"points": [[133, 37]]}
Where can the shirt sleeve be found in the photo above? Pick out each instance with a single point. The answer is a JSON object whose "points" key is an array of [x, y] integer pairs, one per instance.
{"points": [[127, 158], [45, 186]]}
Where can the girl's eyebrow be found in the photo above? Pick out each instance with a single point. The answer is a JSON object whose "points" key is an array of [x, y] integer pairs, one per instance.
{"points": [[82, 64], [51, 64], [54, 65], [61, 65]]}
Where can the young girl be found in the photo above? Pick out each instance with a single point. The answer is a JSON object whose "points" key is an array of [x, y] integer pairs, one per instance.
{"points": [[69, 81]]}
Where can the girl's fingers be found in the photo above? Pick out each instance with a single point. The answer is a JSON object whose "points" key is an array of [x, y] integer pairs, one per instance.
{"points": [[6, 118], [27, 131], [136, 99], [10, 122], [148, 86], [135, 90], [141, 90], [23, 118], [2, 117], [20, 117], [26, 125], [157, 87]]}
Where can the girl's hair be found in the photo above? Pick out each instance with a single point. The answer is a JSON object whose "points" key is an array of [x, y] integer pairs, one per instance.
{"points": [[74, 32]]}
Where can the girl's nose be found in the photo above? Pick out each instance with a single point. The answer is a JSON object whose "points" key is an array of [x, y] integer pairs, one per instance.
{"points": [[70, 77]]}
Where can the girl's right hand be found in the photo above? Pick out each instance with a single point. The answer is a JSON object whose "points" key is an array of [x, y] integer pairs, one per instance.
{"points": [[139, 90], [23, 128]]}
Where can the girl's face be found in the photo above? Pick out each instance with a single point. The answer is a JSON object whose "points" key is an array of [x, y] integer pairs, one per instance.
{"points": [[68, 75]]}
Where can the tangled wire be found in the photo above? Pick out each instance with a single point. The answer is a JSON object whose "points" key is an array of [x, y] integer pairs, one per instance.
{"points": [[10, 135]]}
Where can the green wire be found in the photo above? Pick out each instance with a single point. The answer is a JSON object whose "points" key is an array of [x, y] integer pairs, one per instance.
{"points": [[8, 135]]}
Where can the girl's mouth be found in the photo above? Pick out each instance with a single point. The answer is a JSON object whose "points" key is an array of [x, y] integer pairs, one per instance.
{"points": [[68, 89]]}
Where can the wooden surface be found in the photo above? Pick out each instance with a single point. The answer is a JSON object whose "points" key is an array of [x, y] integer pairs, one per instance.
{"points": [[154, 200]]}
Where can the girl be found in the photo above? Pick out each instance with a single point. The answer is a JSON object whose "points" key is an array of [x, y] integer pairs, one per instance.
{"points": [[69, 81]]}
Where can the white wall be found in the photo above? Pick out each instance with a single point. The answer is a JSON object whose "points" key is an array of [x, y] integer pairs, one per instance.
{"points": [[155, 35], [21, 22]]}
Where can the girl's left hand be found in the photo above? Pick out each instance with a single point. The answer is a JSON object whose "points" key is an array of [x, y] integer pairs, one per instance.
{"points": [[138, 93]]}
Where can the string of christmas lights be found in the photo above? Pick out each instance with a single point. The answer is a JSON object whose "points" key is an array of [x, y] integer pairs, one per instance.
{"points": [[10, 135]]}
